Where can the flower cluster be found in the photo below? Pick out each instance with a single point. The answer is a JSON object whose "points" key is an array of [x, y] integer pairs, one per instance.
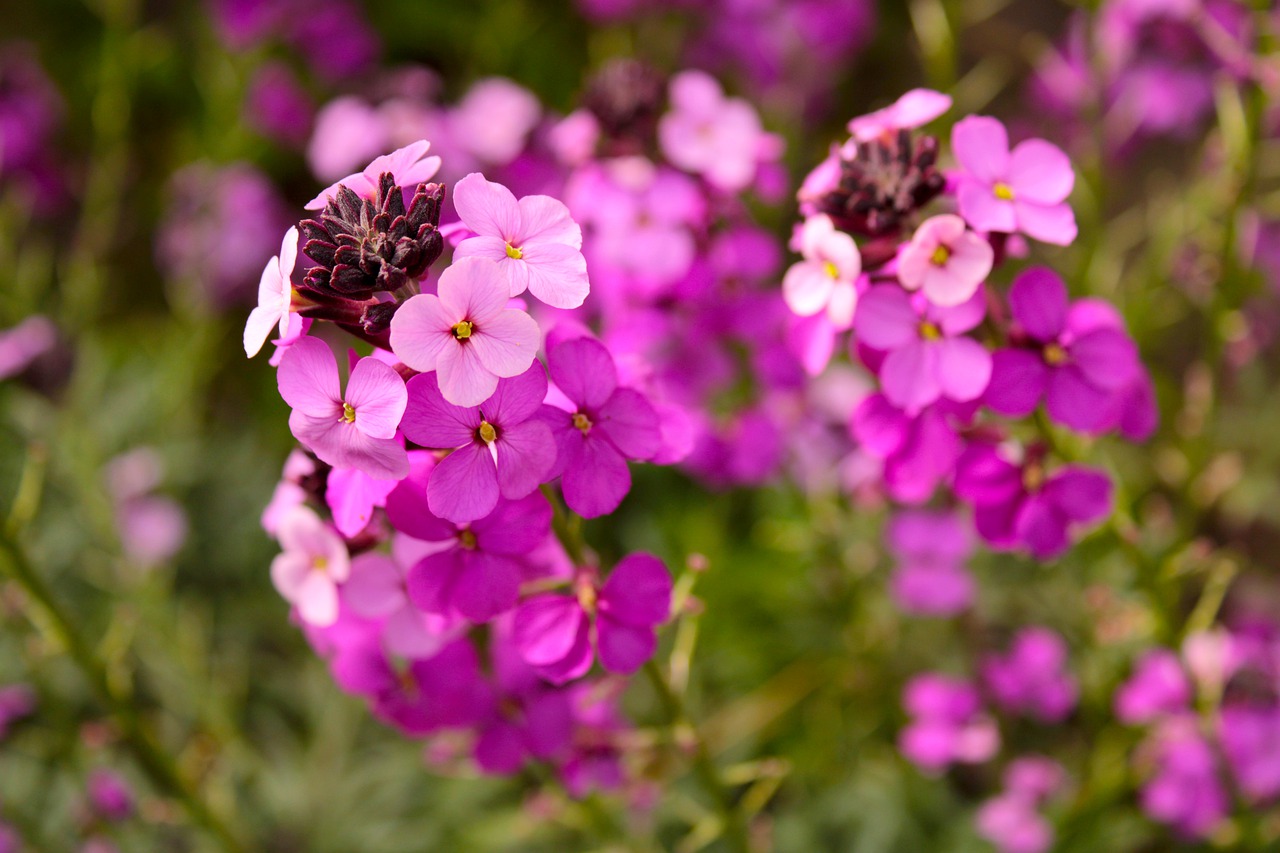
{"points": [[416, 525], [1192, 759]]}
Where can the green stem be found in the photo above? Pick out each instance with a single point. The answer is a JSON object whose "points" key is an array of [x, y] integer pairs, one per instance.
{"points": [[158, 766], [704, 768]]}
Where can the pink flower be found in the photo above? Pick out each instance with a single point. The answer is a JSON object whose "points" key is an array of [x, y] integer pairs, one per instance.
{"points": [[376, 590], [556, 634], [946, 260], [915, 108], [314, 561], [1024, 190], [825, 278], [24, 343], [534, 240], [466, 333], [708, 134], [410, 166], [275, 296], [355, 431], [928, 356], [351, 496], [498, 448]]}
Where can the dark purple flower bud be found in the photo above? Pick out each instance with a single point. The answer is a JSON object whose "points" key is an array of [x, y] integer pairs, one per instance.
{"points": [[885, 181], [364, 247], [626, 97]]}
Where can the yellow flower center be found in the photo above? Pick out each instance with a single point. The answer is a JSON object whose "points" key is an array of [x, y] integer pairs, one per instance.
{"points": [[1033, 477], [467, 540], [487, 433], [320, 563], [348, 413], [1003, 191], [586, 594], [831, 269], [514, 252], [582, 422], [462, 330], [940, 256], [1054, 354], [930, 331]]}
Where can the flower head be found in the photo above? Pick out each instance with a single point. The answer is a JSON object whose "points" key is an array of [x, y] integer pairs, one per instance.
{"points": [[824, 280], [314, 562], [355, 430], [466, 333], [945, 260], [708, 134]]}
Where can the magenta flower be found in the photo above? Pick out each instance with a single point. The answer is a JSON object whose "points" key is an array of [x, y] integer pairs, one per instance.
{"points": [[1024, 190], [710, 135], [824, 280], [409, 165], [930, 547], [1185, 789], [918, 452], [352, 495], [1158, 687], [556, 634], [915, 108], [945, 260], [498, 447], [1032, 678], [275, 296], [376, 589], [109, 795], [355, 431], [1021, 505], [948, 724], [478, 574], [927, 355], [466, 334], [534, 240], [1076, 358], [314, 561], [597, 425]]}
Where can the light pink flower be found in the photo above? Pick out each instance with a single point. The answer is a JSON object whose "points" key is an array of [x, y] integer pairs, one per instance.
{"points": [[534, 240], [24, 343], [708, 134], [915, 108], [824, 280], [493, 120], [355, 431], [945, 260], [314, 561], [1024, 190], [376, 590], [275, 296], [466, 333], [410, 166]]}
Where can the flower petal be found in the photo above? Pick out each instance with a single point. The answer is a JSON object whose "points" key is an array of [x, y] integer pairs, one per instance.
{"points": [[431, 421], [629, 421], [963, 368], [308, 378], [1019, 379], [557, 274], [486, 207], [624, 648], [545, 628], [507, 343], [886, 319], [1040, 172], [464, 485], [637, 591], [487, 586], [421, 330], [526, 455], [378, 395], [583, 370], [596, 477], [981, 146]]}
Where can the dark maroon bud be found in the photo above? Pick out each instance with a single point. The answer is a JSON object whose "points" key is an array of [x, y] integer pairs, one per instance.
{"points": [[626, 97], [885, 182]]}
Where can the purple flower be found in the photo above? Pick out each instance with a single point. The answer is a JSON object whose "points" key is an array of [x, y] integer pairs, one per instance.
{"points": [[556, 634], [1158, 687], [1032, 679], [918, 452], [376, 589], [466, 334], [109, 794], [1250, 736], [478, 573], [498, 447], [353, 431], [931, 548], [1076, 358], [1010, 822], [1020, 505], [534, 240], [1185, 790], [314, 561], [710, 135], [352, 495], [927, 355], [948, 724], [1023, 190], [597, 425], [944, 260]]}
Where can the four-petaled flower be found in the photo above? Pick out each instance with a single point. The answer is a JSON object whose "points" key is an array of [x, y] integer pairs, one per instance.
{"points": [[313, 563], [945, 260], [824, 280]]}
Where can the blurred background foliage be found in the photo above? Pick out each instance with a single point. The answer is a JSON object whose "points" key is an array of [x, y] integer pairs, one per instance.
{"points": [[800, 656]]}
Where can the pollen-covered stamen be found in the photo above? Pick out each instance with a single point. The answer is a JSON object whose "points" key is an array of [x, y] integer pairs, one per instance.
{"points": [[463, 330], [487, 432], [930, 331], [586, 593], [467, 540], [831, 269], [940, 256], [319, 563], [348, 413], [514, 252], [1054, 354], [582, 423], [1003, 191]]}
